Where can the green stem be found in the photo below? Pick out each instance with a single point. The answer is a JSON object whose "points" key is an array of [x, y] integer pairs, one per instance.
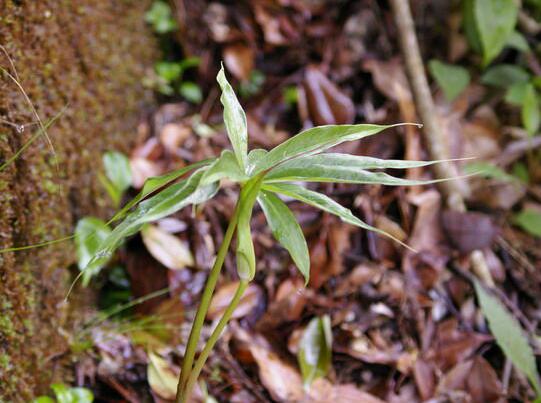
{"points": [[205, 302], [212, 341]]}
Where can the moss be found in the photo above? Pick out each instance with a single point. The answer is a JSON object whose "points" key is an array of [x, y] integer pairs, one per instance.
{"points": [[7, 329], [93, 56], [5, 363]]}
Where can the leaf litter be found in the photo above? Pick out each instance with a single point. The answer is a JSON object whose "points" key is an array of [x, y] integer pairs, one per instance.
{"points": [[404, 326]]}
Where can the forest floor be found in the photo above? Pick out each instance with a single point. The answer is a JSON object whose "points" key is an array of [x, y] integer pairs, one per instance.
{"points": [[406, 326]]}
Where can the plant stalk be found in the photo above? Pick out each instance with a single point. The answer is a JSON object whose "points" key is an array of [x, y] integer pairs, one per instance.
{"points": [[202, 359], [205, 303]]}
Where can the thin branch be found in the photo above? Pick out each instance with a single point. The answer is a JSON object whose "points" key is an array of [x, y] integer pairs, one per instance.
{"points": [[452, 189]]}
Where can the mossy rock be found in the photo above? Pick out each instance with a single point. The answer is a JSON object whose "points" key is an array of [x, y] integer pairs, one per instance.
{"points": [[90, 55]]}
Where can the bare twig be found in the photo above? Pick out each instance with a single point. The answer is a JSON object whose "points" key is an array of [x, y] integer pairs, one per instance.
{"points": [[453, 190]]}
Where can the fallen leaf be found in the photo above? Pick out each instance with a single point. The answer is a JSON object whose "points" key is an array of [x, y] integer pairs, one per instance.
{"points": [[168, 249], [468, 231], [239, 60], [222, 298], [477, 378], [173, 136], [162, 376], [315, 349], [142, 169], [327, 104], [284, 383]]}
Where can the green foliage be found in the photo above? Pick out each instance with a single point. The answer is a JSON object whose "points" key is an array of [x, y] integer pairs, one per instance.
{"points": [[245, 245], [168, 71], [516, 93], [224, 167], [155, 182], [488, 170], [505, 75], [341, 168], [65, 394], [90, 232], [520, 91], [234, 119], [451, 79], [530, 221], [286, 230], [117, 175], [291, 95], [295, 159], [520, 171], [495, 22], [253, 85], [191, 91], [164, 203], [161, 17], [518, 42], [170, 77], [315, 349], [530, 112], [261, 176], [509, 335]]}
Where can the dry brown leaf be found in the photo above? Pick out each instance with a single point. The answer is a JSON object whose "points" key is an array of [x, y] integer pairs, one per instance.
{"points": [[173, 135], [239, 60], [270, 26], [284, 382], [477, 378], [222, 298], [468, 231], [452, 345], [162, 376], [327, 104], [166, 248], [142, 169]]}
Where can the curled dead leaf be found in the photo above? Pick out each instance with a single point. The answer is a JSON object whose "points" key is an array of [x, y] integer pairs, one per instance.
{"points": [[162, 376], [239, 60], [326, 103], [166, 248], [142, 169], [222, 298], [173, 135], [468, 231]]}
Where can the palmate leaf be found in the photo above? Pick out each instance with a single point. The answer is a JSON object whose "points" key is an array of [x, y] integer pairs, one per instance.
{"points": [[224, 167], [343, 168], [315, 140], [166, 202], [234, 119], [324, 203], [155, 182], [286, 230]]}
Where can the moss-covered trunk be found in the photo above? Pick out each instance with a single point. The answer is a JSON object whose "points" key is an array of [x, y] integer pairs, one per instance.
{"points": [[90, 55]]}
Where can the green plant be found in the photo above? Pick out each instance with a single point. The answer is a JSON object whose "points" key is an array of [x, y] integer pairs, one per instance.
{"points": [[451, 79], [490, 26], [509, 335], [65, 394], [169, 78], [161, 18], [263, 176], [315, 349]]}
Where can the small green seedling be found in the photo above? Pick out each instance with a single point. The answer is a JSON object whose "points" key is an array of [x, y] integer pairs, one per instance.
{"points": [[170, 79], [65, 394], [161, 17], [117, 178], [263, 177]]}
